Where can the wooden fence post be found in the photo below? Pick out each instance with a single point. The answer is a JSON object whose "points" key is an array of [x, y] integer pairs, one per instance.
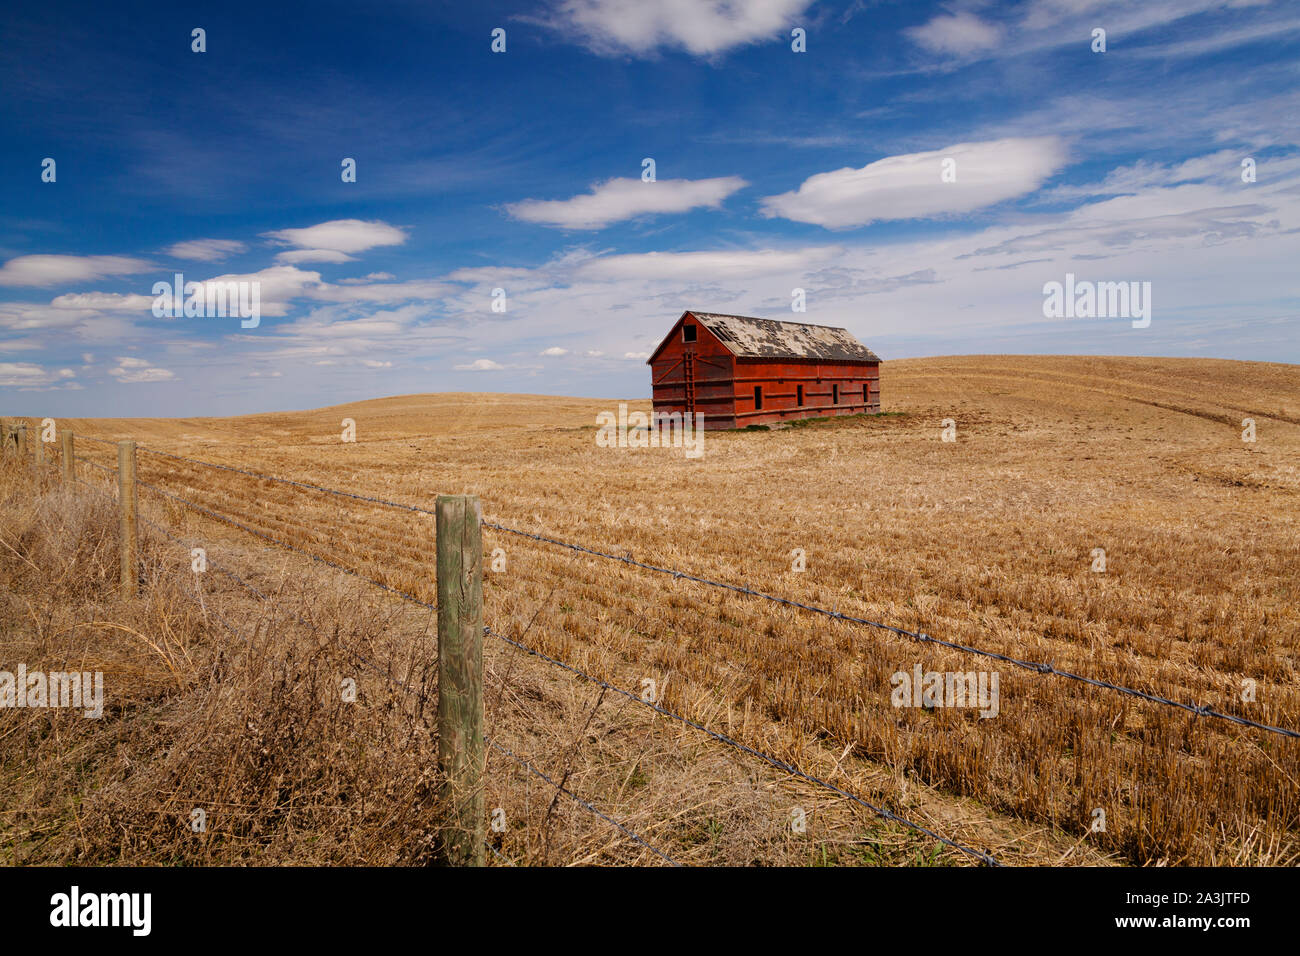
{"points": [[126, 504], [22, 442], [40, 450], [69, 460], [460, 675]]}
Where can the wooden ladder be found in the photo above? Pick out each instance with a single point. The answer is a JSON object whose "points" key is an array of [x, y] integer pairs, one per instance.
{"points": [[688, 380]]}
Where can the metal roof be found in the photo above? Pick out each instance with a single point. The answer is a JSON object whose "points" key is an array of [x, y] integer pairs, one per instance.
{"points": [[749, 337]]}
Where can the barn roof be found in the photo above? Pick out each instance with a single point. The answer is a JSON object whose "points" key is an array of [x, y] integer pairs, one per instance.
{"points": [[749, 337]]}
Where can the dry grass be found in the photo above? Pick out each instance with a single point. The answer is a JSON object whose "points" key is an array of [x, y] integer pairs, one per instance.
{"points": [[230, 703], [986, 541]]}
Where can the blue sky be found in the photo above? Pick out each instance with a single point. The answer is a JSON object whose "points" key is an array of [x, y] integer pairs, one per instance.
{"points": [[522, 171]]}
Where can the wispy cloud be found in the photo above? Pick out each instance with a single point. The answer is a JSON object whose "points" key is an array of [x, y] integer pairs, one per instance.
{"points": [[205, 250], [47, 270], [133, 371], [704, 265], [335, 241], [702, 27], [960, 33], [620, 199], [913, 186], [28, 375]]}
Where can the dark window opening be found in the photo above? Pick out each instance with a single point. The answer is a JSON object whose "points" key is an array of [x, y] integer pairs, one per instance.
{"points": [[866, 393], [835, 394], [799, 397], [758, 398], [688, 333]]}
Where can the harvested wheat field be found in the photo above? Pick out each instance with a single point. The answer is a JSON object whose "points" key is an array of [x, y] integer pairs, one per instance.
{"points": [[988, 541]]}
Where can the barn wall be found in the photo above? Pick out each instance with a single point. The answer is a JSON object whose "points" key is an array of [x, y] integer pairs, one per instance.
{"points": [[780, 381], [714, 364]]}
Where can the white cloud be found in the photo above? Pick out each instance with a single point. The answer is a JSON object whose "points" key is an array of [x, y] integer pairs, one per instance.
{"points": [[372, 277], [42, 270], [277, 286], [480, 365], [134, 370], [910, 186], [383, 293], [493, 274], [1223, 166], [103, 301], [1038, 25], [205, 250], [29, 317], [637, 355], [619, 199], [723, 264], [341, 235], [554, 351], [702, 27], [27, 375], [960, 33], [295, 256]]}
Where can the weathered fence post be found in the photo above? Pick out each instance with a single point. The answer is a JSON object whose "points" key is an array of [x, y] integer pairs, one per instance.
{"points": [[460, 674], [69, 460], [40, 450], [126, 504], [22, 441]]}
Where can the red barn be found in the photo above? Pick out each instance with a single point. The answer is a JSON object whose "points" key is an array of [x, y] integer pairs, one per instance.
{"points": [[738, 371]]}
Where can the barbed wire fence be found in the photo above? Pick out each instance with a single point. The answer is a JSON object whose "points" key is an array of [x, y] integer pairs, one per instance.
{"points": [[1044, 669]]}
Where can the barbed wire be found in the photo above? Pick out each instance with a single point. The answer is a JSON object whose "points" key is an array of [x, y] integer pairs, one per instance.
{"points": [[577, 799], [1039, 667], [215, 613], [788, 768], [95, 464], [376, 668], [794, 771], [276, 541], [361, 658], [289, 481], [100, 441], [357, 656]]}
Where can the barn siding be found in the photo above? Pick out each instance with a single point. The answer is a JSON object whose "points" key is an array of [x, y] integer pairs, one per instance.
{"points": [[780, 381]]}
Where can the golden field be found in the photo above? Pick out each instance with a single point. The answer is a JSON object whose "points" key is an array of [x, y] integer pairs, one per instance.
{"points": [[986, 541]]}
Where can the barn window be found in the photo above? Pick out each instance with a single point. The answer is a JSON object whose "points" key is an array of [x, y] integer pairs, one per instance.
{"points": [[835, 394], [688, 333], [758, 398], [799, 395]]}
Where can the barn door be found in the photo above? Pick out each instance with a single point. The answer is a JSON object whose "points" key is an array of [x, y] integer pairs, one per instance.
{"points": [[688, 380]]}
